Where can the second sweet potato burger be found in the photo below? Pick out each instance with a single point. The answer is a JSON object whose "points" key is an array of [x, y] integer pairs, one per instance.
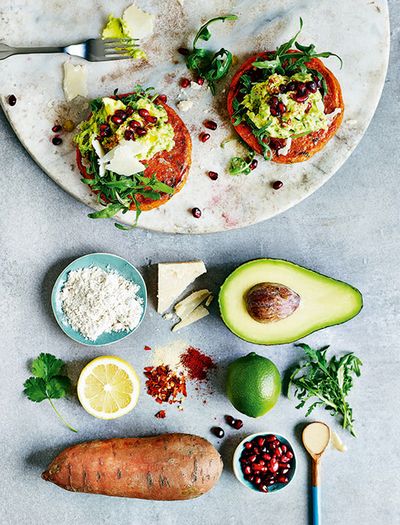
{"points": [[285, 104]]}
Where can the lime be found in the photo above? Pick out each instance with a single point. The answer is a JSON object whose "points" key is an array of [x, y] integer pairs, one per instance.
{"points": [[253, 384]]}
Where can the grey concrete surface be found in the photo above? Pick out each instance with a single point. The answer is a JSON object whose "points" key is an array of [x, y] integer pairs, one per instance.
{"points": [[349, 229]]}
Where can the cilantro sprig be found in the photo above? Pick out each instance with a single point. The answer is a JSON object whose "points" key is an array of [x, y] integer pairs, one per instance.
{"points": [[210, 65], [327, 381], [48, 382]]}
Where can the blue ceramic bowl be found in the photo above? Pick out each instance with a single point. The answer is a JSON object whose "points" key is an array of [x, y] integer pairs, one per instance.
{"points": [[237, 469], [105, 261]]}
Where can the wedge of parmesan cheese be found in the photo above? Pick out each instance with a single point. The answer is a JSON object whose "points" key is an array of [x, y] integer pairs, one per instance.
{"points": [[197, 314], [174, 278], [190, 303], [137, 23], [75, 81]]}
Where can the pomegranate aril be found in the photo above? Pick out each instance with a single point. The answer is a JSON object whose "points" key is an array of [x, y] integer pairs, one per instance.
{"points": [[196, 212], [252, 458], [230, 420], [213, 175], [121, 114], [117, 120], [277, 185], [300, 98], [274, 101], [144, 113], [129, 110], [251, 479], [162, 98], [248, 445], [128, 135], [140, 131], [291, 86], [134, 124], [185, 83], [312, 86], [200, 81], [285, 459], [282, 479], [183, 51], [218, 431], [151, 119], [289, 454], [57, 141], [278, 451], [264, 488], [267, 457], [257, 480], [301, 88], [12, 100], [204, 136], [247, 470], [253, 164], [284, 471], [57, 128], [238, 424], [271, 482], [274, 111], [281, 107], [210, 124], [284, 448]]}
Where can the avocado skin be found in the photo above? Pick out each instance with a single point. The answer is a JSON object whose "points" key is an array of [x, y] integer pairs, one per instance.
{"points": [[304, 330]]}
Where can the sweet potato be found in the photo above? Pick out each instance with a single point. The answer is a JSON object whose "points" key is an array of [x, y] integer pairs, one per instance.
{"points": [[164, 467]]}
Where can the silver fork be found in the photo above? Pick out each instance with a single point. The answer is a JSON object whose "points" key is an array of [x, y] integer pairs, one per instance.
{"points": [[93, 50]]}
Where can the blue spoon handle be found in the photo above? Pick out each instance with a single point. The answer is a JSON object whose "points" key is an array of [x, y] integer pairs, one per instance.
{"points": [[316, 506], [316, 492]]}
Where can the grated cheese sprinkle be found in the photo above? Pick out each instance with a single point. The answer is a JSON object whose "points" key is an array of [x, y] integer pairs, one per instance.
{"points": [[96, 301]]}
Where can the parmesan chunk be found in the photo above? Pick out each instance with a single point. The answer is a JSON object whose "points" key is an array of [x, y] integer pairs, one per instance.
{"points": [[174, 278], [137, 23], [75, 81], [195, 316]]}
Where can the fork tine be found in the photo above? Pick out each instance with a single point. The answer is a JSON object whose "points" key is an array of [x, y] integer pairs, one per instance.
{"points": [[119, 51], [116, 57], [115, 41]]}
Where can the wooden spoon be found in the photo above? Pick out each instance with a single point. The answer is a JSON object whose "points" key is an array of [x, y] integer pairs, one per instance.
{"points": [[316, 437]]}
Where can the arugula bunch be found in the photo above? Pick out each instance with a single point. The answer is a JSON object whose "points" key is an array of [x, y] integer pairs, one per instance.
{"points": [[211, 66], [240, 165], [118, 192], [48, 382], [328, 381]]}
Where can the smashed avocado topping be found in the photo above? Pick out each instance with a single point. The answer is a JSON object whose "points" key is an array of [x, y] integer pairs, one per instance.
{"points": [[299, 118], [121, 134]]}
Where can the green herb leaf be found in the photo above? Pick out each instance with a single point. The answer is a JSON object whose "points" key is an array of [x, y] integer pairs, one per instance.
{"points": [[204, 33], [46, 366], [330, 381], [109, 211], [241, 166], [48, 383]]}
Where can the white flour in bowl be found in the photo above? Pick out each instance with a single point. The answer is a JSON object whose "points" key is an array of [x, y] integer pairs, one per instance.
{"points": [[96, 301]]}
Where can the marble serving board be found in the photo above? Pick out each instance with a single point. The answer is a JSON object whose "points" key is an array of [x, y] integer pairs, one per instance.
{"points": [[358, 31]]}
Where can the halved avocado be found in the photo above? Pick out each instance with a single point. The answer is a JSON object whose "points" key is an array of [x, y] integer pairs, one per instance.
{"points": [[272, 302]]}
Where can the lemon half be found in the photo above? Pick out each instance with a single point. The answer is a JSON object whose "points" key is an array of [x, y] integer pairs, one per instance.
{"points": [[108, 387]]}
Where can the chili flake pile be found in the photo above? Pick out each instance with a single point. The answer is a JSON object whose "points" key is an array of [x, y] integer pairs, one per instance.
{"points": [[165, 385]]}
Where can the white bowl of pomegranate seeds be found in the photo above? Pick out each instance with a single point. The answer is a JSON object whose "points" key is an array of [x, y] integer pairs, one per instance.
{"points": [[264, 462]]}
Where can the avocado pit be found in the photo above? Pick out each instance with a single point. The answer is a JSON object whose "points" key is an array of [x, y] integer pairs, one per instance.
{"points": [[270, 302]]}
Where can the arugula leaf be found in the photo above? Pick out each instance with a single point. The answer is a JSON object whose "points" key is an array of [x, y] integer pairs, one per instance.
{"points": [[327, 381], [210, 65], [241, 166], [106, 213], [48, 382]]}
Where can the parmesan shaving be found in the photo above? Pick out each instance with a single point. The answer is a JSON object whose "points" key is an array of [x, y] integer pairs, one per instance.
{"points": [[190, 303], [195, 316], [75, 81]]}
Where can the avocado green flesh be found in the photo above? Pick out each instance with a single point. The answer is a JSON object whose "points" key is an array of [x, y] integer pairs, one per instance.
{"points": [[323, 302]]}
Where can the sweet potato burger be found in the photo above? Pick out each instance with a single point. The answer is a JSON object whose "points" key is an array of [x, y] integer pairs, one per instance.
{"points": [[133, 151], [285, 104]]}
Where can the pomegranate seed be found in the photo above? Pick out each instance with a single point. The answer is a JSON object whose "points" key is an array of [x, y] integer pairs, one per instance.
{"points": [[261, 441], [312, 87], [256, 450], [140, 132], [162, 98], [289, 454], [318, 81], [144, 113], [210, 124], [185, 83], [219, 432], [274, 111], [282, 479], [273, 101], [271, 482], [121, 114], [238, 424], [57, 140], [257, 480], [300, 98], [252, 458], [12, 100], [273, 467], [281, 107], [151, 120], [183, 51], [247, 470], [267, 457], [285, 459], [57, 128], [282, 88], [129, 111], [278, 452], [270, 438], [213, 175], [284, 448], [264, 488], [251, 478], [230, 420], [200, 81], [284, 471], [204, 136], [134, 124], [291, 86], [196, 212], [253, 164], [248, 445], [147, 348], [117, 120], [128, 135], [277, 185], [301, 88]]}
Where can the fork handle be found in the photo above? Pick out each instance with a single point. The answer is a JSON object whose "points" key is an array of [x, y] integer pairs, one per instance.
{"points": [[29, 50]]}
